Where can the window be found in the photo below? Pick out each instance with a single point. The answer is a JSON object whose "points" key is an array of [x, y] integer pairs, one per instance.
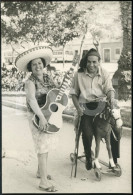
{"points": [[69, 52], [117, 51], [57, 53], [76, 51], [54, 53], [60, 53]]}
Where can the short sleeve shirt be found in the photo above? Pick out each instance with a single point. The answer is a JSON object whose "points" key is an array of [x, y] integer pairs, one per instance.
{"points": [[89, 89]]}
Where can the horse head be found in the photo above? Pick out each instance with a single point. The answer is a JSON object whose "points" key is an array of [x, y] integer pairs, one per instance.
{"points": [[116, 115]]}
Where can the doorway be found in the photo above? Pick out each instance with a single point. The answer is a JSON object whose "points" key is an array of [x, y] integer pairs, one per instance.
{"points": [[106, 55]]}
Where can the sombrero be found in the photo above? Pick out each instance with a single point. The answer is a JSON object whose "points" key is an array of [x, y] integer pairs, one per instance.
{"points": [[24, 58]]}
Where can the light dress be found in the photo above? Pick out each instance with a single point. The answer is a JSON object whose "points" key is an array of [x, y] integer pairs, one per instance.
{"points": [[43, 142]]}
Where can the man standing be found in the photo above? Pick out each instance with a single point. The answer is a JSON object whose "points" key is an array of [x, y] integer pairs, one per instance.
{"points": [[91, 84]]}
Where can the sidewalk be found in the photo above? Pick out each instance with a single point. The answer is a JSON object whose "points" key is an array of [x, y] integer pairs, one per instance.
{"points": [[19, 164], [69, 118]]}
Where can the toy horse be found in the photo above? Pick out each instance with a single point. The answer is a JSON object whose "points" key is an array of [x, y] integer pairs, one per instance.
{"points": [[102, 129]]}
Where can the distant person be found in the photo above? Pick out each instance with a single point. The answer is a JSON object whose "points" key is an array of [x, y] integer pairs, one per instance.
{"points": [[36, 87]]}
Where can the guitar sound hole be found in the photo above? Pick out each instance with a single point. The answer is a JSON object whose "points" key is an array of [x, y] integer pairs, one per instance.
{"points": [[54, 108]]}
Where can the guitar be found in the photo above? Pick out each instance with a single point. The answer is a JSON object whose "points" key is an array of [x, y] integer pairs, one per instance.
{"points": [[56, 102]]}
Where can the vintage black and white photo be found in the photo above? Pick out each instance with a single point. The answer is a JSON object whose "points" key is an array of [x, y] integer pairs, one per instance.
{"points": [[66, 96]]}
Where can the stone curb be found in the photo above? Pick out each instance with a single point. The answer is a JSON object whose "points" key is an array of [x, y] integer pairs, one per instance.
{"points": [[126, 130]]}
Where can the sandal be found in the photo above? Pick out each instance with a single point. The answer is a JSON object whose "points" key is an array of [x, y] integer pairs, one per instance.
{"points": [[49, 189]]}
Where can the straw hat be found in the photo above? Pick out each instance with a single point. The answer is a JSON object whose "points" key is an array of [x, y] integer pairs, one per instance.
{"points": [[24, 58]]}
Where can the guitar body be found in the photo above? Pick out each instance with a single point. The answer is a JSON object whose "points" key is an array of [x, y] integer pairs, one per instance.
{"points": [[52, 111]]}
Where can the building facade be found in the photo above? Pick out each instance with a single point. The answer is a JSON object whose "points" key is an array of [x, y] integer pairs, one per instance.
{"points": [[109, 50]]}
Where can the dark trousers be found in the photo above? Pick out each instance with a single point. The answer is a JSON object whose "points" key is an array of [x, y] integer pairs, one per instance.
{"points": [[87, 134], [115, 147], [86, 127]]}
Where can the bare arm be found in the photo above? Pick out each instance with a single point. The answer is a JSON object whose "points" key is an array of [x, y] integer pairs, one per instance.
{"points": [[111, 98], [110, 95], [30, 95], [76, 104], [108, 88]]}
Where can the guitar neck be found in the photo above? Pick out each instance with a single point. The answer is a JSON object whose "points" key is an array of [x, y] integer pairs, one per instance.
{"points": [[67, 79], [65, 83]]}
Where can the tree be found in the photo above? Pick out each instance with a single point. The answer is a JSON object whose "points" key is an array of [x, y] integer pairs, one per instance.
{"points": [[58, 22], [100, 20], [122, 77], [63, 25], [39, 21], [106, 22], [25, 21]]}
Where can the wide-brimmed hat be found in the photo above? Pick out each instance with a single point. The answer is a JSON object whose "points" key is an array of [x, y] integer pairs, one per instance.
{"points": [[24, 58]]}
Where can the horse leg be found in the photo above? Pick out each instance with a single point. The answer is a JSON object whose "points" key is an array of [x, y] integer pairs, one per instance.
{"points": [[108, 145], [97, 149]]}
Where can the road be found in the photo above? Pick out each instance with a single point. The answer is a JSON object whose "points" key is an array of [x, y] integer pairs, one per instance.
{"points": [[20, 163]]}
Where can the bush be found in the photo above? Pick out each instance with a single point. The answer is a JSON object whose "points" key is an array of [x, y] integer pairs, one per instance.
{"points": [[122, 77]]}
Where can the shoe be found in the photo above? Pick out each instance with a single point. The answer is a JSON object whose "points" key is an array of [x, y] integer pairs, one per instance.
{"points": [[49, 189], [111, 167], [88, 164]]}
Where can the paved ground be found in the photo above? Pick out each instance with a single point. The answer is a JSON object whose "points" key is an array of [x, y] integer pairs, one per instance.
{"points": [[20, 162]]}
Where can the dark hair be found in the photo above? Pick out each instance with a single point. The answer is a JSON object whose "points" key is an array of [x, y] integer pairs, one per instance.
{"points": [[83, 61], [29, 64]]}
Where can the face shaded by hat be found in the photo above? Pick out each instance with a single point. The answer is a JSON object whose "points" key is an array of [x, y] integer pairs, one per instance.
{"points": [[30, 63], [24, 59]]}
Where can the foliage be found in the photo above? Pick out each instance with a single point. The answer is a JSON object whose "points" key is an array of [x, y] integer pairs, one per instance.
{"points": [[123, 74], [39, 21], [24, 21], [126, 17], [62, 27], [102, 20], [59, 22], [56, 22], [124, 62], [105, 21]]}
